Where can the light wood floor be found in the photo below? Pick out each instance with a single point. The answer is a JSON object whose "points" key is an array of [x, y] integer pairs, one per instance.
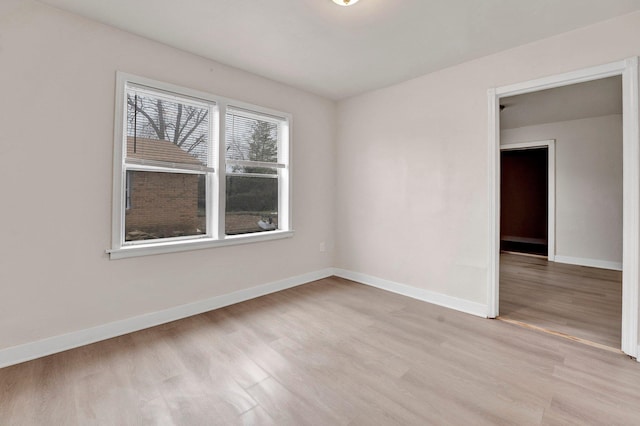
{"points": [[332, 352], [574, 300]]}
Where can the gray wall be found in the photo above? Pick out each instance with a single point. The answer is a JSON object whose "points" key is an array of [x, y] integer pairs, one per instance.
{"points": [[57, 81], [412, 162]]}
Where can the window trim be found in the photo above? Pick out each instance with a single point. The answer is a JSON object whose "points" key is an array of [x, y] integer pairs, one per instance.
{"points": [[216, 178], [128, 178]]}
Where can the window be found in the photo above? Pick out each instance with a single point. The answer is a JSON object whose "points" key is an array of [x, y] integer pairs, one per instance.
{"points": [[193, 170], [252, 166]]}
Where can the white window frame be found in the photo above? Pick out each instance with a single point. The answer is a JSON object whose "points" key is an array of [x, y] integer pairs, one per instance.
{"points": [[216, 179], [127, 189]]}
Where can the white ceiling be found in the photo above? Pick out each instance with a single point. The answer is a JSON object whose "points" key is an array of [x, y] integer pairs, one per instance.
{"points": [[591, 99], [338, 51]]}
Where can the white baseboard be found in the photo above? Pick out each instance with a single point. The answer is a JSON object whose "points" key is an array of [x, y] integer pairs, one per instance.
{"points": [[440, 299], [594, 263], [28, 351]]}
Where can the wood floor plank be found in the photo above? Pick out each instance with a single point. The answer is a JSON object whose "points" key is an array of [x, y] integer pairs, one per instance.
{"points": [[257, 416], [332, 352], [574, 300]]}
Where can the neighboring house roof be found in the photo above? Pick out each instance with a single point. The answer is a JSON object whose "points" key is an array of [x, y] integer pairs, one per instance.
{"points": [[158, 150]]}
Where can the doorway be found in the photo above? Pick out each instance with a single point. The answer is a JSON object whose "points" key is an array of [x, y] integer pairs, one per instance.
{"points": [[527, 209], [628, 69]]}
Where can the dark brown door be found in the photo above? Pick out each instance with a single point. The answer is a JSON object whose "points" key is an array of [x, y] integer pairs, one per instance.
{"points": [[524, 200]]}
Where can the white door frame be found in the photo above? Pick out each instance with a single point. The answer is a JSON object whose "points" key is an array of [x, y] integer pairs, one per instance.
{"points": [[551, 188], [628, 69]]}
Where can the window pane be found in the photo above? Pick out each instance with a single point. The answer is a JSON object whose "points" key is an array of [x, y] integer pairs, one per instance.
{"points": [[168, 129], [252, 204], [250, 139], [164, 205]]}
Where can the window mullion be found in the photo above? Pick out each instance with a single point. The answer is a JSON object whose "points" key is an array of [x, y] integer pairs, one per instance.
{"points": [[212, 194], [222, 170], [282, 213], [284, 175]]}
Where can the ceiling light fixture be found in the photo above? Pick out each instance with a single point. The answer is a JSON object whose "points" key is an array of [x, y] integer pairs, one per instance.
{"points": [[345, 2]]}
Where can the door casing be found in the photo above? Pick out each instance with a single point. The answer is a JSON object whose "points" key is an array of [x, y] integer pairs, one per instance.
{"points": [[628, 69]]}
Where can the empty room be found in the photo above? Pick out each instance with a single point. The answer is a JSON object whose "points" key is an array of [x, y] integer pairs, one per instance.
{"points": [[321, 212]]}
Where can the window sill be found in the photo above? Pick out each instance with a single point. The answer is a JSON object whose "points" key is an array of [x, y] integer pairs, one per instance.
{"points": [[187, 245]]}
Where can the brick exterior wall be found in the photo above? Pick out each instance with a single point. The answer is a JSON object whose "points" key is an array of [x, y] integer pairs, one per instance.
{"points": [[162, 205]]}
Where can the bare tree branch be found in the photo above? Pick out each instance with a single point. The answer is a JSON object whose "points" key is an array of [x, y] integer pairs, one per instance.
{"points": [[199, 120], [176, 130], [198, 141], [161, 121], [131, 102]]}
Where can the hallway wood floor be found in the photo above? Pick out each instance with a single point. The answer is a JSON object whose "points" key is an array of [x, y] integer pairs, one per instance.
{"points": [[574, 300], [332, 352]]}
